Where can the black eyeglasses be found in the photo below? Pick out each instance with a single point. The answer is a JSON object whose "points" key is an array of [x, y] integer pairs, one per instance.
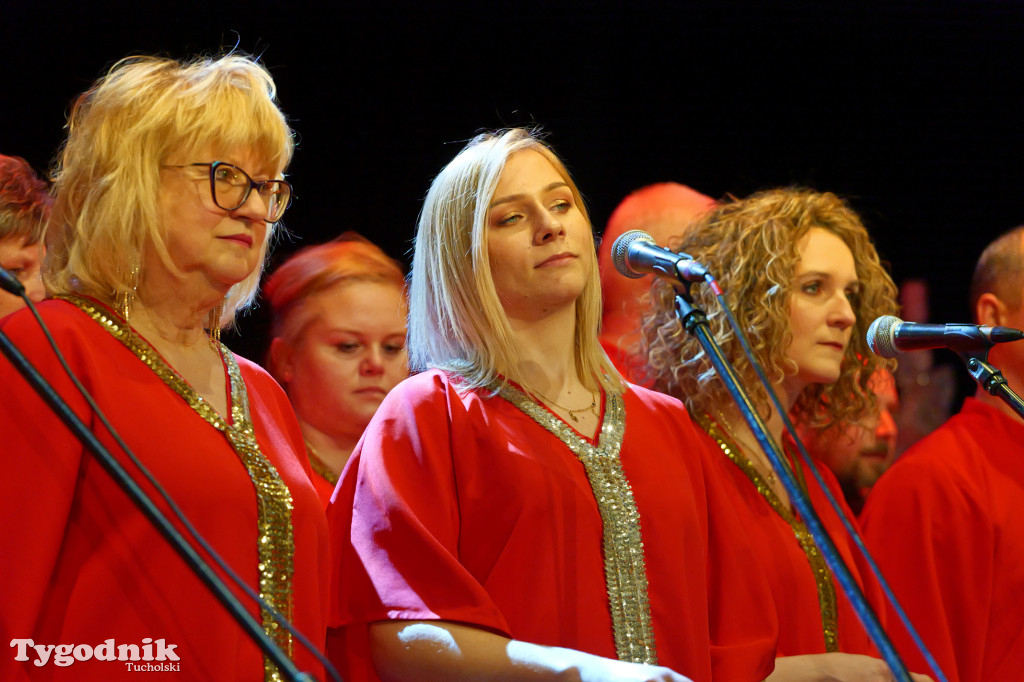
{"points": [[230, 187]]}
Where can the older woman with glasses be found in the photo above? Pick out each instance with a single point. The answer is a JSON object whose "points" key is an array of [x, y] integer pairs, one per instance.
{"points": [[168, 190]]}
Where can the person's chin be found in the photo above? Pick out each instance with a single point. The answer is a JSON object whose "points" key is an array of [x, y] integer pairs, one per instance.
{"points": [[869, 471]]}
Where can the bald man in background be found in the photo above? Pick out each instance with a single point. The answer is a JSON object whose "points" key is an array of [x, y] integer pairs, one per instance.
{"points": [[946, 522], [662, 210]]}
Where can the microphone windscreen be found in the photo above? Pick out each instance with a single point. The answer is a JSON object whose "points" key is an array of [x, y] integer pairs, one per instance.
{"points": [[880, 336], [620, 251]]}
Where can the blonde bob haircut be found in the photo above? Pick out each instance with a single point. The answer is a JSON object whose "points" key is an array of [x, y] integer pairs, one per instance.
{"points": [[348, 259], [119, 134], [751, 246], [456, 322]]}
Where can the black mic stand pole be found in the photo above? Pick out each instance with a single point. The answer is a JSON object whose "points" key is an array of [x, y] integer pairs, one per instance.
{"points": [[150, 511], [695, 322], [992, 380]]}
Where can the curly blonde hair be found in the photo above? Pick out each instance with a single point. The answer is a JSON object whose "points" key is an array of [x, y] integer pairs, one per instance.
{"points": [[750, 245]]}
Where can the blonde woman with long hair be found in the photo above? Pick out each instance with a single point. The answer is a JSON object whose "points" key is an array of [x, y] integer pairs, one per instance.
{"points": [[516, 511]]}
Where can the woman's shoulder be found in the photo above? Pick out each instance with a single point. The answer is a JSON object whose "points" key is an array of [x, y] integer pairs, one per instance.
{"points": [[426, 390], [659, 413], [430, 385], [253, 371], [58, 315], [652, 400], [77, 333]]}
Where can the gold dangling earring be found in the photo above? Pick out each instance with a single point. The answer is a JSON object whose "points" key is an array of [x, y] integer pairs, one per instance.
{"points": [[124, 299], [213, 324]]}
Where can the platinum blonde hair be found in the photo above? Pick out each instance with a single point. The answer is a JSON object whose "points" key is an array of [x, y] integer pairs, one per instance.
{"points": [[456, 322]]}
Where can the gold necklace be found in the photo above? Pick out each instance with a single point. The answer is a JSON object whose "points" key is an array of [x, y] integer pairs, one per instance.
{"points": [[592, 407], [319, 466]]}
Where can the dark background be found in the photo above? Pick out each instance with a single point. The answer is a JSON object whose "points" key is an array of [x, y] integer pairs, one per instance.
{"points": [[911, 110]]}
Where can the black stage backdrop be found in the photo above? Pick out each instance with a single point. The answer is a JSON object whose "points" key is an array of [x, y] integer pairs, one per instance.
{"points": [[911, 110]]}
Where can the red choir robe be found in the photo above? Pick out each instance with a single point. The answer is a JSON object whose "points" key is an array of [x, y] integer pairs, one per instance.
{"points": [[944, 524], [789, 573], [461, 507], [80, 565]]}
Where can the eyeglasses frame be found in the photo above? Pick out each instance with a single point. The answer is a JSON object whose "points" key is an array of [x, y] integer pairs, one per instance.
{"points": [[214, 165]]}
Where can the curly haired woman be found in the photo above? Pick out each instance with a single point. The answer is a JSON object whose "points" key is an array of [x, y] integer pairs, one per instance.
{"points": [[804, 280]]}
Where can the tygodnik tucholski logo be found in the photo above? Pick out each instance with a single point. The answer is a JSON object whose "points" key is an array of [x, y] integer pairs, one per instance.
{"points": [[162, 658]]}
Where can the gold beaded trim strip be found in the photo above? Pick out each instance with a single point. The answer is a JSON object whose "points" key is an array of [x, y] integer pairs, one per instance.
{"points": [[275, 541], [822, 574], [625, 571]]}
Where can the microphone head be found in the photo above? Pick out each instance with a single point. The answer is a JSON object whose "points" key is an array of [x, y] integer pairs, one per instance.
{"points": [[880, 336], [1005, 335], [620, 251]]}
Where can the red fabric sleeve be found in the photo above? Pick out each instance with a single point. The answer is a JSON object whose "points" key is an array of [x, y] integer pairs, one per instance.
{"points": [[36, 492], [404, 519], [935, 548]]}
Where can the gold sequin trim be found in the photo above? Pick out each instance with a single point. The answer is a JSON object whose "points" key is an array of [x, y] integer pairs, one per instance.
{"points": [[822, 574], [625, 571], [275, 541]]}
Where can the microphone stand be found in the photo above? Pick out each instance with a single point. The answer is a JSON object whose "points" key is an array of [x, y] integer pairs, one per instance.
{"points": [[151, 512], [695, 321], [992, 380]]}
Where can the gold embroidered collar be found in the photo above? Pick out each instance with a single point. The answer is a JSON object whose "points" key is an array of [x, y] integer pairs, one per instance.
{"points": [[625, 570], [822, 575], [275, 538]]}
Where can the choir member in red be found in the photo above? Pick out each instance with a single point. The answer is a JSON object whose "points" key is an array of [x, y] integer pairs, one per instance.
{"points": [[338, 344], [662, 210], [24, 208], [804, 281], [516, 511], [167, 192], [944, 521], [859, 452]]}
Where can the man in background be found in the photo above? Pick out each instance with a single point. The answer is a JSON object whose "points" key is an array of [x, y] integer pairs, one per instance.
{"points": [[945, 521], [859, 453], [662, 210]]}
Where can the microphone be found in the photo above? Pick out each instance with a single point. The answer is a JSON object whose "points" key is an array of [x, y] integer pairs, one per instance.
{"points": [[635, 254], [889, 336], [10, 283]]}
